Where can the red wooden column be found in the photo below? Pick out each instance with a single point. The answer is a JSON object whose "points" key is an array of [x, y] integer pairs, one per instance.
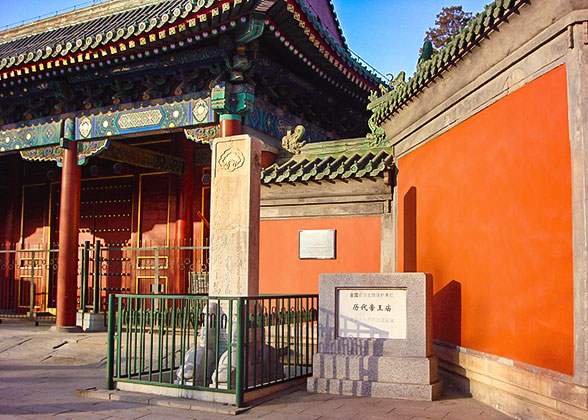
{"points": [[185, 222], [230, 125], [8, 290], [69, 220]]}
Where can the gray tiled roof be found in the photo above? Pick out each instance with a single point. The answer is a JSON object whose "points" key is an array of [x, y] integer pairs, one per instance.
{"points": [[335, 161]]}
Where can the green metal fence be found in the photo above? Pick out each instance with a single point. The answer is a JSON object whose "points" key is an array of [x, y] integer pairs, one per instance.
{"points": [[228, 345]]}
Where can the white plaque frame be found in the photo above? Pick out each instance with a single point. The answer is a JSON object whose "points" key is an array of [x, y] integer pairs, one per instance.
{"points": [[371, 313], [318, 244]]}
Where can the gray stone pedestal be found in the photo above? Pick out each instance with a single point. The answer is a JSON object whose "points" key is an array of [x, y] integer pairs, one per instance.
{"points": [[91, 322], [379, 345]]}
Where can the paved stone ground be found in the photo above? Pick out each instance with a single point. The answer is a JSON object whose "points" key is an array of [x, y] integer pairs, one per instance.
{"points": [[40, 372]]}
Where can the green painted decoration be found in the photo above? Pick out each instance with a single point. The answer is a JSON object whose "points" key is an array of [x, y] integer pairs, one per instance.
{"points": [[27, 137]]}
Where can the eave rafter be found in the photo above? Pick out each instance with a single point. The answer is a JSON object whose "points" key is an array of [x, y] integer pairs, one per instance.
{"points": [[159, 35], [338, 56]]}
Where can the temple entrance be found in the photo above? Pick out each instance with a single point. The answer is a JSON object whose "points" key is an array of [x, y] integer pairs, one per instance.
{"points": [[106, 215], [131, 204]]}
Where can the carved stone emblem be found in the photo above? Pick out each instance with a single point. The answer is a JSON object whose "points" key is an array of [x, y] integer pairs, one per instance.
{"points": [[231, 159]]}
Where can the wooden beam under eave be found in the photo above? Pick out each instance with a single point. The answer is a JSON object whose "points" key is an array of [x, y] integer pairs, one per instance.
{"points": [[136, 156]]}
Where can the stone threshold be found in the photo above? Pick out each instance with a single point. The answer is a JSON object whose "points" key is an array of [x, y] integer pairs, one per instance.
{"points": [[172, 402]]}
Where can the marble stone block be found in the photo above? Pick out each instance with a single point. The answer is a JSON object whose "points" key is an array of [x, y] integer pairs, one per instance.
{"points": [[234, 219], [407, 370], [91, 322], [375, 336], [417, 392]]}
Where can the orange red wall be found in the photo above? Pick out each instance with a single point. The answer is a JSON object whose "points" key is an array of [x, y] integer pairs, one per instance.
{"points": [[280, 269], [486, 208]]}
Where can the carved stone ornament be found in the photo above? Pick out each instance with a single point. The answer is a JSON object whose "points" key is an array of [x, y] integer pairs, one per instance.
{"points": [[291, 141], [231, 159]]}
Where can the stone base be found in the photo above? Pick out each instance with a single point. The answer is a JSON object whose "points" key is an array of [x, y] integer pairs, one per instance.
{"points": [[411, 378], [521, 391], [90, 322], [419, 392], [72, 329], [401, 370]]}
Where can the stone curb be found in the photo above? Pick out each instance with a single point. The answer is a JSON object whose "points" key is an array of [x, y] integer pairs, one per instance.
{"points": [[182, 403]]}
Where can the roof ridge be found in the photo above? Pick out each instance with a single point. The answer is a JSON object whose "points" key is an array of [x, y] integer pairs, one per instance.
{"points": [[475, 32], [127, 5]]}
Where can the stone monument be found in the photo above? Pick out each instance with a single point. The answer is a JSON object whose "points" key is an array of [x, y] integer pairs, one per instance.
{"points": [[234, 220], [375, 336], [234, 233]]}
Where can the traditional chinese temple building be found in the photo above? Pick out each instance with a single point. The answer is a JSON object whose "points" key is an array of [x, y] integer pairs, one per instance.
{"points": [[474, 171], [139, 89]]}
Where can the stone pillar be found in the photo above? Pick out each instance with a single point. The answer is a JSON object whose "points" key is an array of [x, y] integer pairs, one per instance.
{"points": [[184, 223], [9, 292], [234, 220], [69, 220]]}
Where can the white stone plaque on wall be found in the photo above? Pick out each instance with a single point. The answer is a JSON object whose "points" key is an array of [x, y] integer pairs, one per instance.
{"points": [[371, 313], [317, 244]]}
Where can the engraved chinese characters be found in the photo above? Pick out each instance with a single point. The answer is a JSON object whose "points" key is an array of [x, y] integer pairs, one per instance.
{"points": [[372, 313]]}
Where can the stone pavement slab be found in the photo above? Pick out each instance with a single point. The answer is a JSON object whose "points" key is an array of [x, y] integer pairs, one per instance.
{"points": [[41, 371]]}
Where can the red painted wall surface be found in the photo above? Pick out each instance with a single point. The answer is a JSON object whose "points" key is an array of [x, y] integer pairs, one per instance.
{"points": [[280, 270], [486, 208]]}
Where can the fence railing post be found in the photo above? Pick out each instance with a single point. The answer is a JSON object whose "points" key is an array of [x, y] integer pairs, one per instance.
{"points": [[85, 274], [110, 343], [32, 287], [97, 266], [241, 325], [156, 272]]}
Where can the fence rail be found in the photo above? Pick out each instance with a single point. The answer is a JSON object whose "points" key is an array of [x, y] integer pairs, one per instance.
{"points": [[28, 276], [26, 280], [230, 345]]}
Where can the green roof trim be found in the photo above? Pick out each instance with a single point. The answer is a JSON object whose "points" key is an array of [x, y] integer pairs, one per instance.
{"points": [[428, 72], [339, 159]]}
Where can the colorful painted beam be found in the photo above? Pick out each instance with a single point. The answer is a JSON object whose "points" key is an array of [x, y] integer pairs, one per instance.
{"points": [[31, 136], [86, 149], [150, 118], [41, 139], [136, 119]]}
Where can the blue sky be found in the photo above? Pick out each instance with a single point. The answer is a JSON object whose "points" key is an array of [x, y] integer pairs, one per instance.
{"points": [[386, 33], [389, 33]]}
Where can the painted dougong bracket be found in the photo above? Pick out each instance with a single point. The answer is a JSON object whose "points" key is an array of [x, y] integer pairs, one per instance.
{"points": [[228, 98]]}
